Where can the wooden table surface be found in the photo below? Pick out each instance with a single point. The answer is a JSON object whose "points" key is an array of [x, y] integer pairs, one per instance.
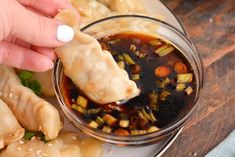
{"points": [[210, 24]]}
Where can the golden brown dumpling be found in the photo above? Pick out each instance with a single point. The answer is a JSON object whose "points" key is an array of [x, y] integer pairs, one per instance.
{"points": [[10, 129], [32, 112]]}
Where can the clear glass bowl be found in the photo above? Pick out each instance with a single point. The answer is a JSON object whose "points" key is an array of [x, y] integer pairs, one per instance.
{"points": [[143, 24]]}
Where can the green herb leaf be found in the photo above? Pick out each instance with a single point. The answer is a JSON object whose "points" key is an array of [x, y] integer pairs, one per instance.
{"points": [[29, 135], [25, 75], [36, 87]]}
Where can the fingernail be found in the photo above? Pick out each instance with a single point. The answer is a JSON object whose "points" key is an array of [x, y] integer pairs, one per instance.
{"points": [[65, 33]]}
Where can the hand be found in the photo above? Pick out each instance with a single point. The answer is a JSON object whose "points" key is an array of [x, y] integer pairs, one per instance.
{"points": [[28, 35]]}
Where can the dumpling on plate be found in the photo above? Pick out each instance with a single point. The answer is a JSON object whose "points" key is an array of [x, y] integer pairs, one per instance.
{"points": [[90, 10], [66, 145], [32, 112], [10, 129], [125, 6], [94, 71]]}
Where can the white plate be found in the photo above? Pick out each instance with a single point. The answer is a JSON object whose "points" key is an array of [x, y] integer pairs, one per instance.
{"points": [[155, 7]]}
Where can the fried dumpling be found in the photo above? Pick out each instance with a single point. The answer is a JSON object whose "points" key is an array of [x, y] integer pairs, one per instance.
{"points": [[66, 145], [90, 10], [10, 129], [32, 112], [125, 6], [94, 71]]}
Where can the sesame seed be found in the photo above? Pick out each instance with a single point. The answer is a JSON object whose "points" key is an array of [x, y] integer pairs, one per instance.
{"points": [[49, 144], [10, 95], [74, 137], [33, 138], [19, 148], [38, 152], [21, 142], [30, 149]]}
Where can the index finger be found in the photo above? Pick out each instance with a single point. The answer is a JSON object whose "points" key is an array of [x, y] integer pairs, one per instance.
{"points": [[47, 7]]}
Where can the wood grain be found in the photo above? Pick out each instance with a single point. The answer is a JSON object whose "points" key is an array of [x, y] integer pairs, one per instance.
{"points": [[211, 27]]}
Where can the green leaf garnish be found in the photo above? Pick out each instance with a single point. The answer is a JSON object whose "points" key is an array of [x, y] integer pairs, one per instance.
{"points": [[29, 135], [36, 87], [25, 75]]}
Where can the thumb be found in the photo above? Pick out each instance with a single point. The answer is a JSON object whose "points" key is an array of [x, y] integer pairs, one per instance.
{"points": [[37, 29]]}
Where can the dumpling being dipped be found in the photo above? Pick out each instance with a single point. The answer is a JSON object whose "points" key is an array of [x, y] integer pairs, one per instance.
{"points": [[93, 70]]}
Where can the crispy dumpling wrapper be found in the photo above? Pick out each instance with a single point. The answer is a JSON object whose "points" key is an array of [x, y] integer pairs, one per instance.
{"points": [[125, 6], [93, 70], [32, 112], [65, 145], [10, 129]]}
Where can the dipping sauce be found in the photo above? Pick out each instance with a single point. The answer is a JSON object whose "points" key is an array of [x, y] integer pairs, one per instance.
{"points": [[163, 74]]}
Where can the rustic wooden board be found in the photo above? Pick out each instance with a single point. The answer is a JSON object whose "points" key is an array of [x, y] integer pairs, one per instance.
{"points": [[211, 26]]}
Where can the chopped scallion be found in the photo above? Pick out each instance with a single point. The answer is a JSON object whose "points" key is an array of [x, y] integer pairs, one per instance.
{"points": [[28, 135], [121, 64], [128, 59], [164, 50], [78, 108], [180, 87], [155, 42], [184, 78], [189, 90], [93, 124], [81, 101]]}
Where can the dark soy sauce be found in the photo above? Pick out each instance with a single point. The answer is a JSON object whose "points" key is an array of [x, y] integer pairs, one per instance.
{"points": [[141, 48]]}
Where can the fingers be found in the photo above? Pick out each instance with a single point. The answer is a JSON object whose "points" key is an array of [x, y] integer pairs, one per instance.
{"points": [[48, 7], [38, 30], [16, 56], [50, 53]]}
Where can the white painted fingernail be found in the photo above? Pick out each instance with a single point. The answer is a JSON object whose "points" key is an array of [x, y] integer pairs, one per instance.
{"points": [[65, 33]]}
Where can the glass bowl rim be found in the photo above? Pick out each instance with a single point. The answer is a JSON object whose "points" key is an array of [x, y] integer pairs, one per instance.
{"points": [[132, 139]]}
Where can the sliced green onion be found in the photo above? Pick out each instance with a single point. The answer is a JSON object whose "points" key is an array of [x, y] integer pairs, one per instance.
{"points": [[99, 120], [81, 101], [93, 124], [28, 135], [135, 77], [128, 59], [142, 116], [138, 132], [164, 50], [78, 108], [153, 129], [109, 119], [120, 58], [121, 64], [137, 53], [189, 90], [133, 48], [92, 111], [107, 129], [155, 42], [152, 117], [124, 123], [184, 78], [153, 100], [164, 95], [180, 87]]}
